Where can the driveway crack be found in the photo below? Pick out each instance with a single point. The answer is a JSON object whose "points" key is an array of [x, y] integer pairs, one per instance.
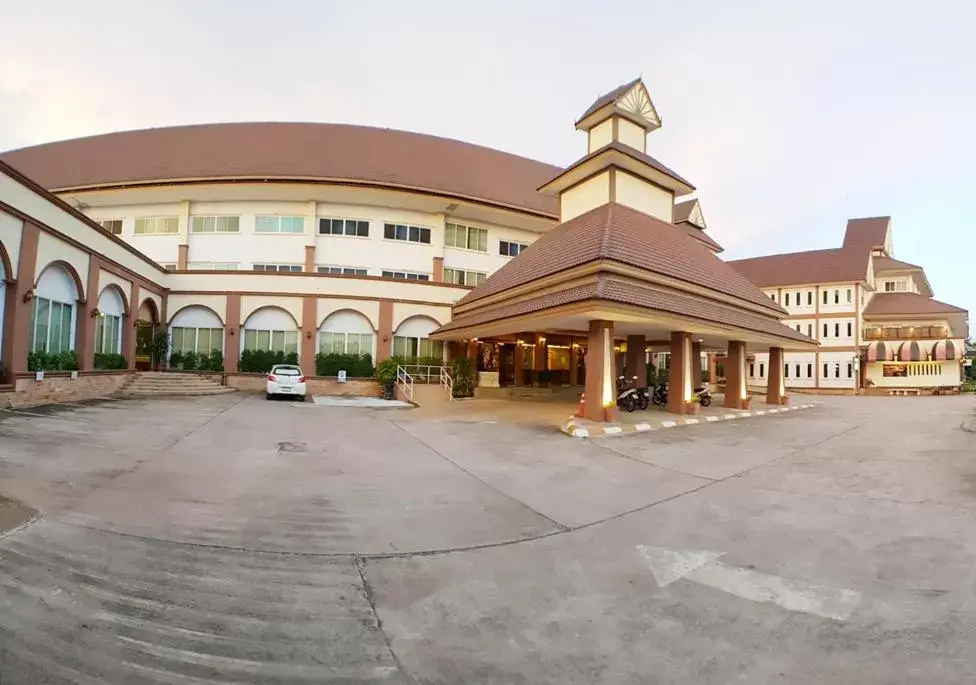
{"points": [[368, 592]]}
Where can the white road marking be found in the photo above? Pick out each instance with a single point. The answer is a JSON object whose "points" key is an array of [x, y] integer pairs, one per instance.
{"points": [[642, 426], [689, 422], [668, 424], [711, 418], [612, 429], [703, 567]]}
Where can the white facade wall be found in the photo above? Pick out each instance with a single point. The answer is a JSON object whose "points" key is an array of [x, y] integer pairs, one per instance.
{"points": [[807, 327], [11, 228], [837, 332], [639, 194], [840, 298], [923, 375], [631, 134], [591, 193], [836, 365], [799, 300], [600, 136]]}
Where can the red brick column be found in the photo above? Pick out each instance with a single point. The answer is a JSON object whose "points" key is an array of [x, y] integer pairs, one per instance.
{"points": [[384, 340], [637, 359], [85, 326], [232, 334], [17, 313], [696, 365], [129, 329], [574, 364], [735, 376], [519, 363], [438, 269], [775, 388], [306, 357], [601, 396], [541, 361], [712, 368], [680, 382]]}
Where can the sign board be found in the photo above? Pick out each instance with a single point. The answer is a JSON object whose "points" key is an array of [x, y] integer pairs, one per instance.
{"points": [[74, 375], [342, 375], [38, 375]]}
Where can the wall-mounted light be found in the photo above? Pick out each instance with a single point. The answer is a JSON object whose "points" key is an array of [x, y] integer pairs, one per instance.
{"points": [[29, 295], [96, 312], [308, 335]]}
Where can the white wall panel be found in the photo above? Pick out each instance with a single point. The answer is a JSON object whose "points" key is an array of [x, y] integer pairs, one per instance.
{"points": [[11, 228]]}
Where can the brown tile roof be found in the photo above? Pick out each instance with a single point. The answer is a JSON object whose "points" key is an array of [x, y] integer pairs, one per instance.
{"points": [[889, 264], [340, 152], [682, 210], [813, 266], [625, 235], [609, 289], [701, 235], [907, 303], [866, 233], [630, 152], [607, 98]]}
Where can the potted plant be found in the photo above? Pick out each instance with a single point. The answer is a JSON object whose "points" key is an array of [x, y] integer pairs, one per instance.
{"points": [[386, 374]]}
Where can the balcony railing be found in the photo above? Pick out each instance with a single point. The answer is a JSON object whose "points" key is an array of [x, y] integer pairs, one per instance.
{"points": [[906, 333]]}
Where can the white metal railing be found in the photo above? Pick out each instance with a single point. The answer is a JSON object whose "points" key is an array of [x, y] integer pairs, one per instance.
{"points": [[406, 380], [447, 383]]}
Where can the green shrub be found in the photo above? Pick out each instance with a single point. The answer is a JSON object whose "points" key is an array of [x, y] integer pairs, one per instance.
{"points": [[109, 361], [62, 361], [386, 370], [191, 361], [356, 365], [176, 360], [464, 377], [261, 361], [212, 362]]}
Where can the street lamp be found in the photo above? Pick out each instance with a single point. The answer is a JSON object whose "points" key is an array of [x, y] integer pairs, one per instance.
{"points": [[856, 365]]}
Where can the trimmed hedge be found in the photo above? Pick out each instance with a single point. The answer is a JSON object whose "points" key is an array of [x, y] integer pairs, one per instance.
{"points": [[191, 361], [62, 361], [355, 365], [261, 361], [109, 360]]}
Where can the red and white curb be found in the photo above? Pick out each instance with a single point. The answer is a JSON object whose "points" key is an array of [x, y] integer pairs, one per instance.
{"points": [[573, 429]]}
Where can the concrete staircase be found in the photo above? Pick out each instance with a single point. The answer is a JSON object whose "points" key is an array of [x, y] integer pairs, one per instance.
{"points": [[158, 384]]}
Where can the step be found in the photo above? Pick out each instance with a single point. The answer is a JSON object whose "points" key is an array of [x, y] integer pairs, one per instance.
{"points": [[216, 390], [168, 383]]}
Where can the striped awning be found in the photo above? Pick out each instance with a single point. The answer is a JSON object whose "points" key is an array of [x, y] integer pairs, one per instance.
{"points": [[943, 350], [911, 351], [879, 352]]}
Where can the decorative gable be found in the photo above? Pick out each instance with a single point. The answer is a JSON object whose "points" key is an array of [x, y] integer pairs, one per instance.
{"points": [[637, 102]]}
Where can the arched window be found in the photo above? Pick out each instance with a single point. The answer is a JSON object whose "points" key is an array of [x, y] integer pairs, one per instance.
{"points": [[53, 312], [108, 325], [346, 332], [197, 330], [271, 329], [412, 339]]}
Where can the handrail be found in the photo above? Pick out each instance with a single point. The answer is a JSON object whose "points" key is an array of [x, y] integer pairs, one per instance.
{"points": [[406, 380], [448, 383]]}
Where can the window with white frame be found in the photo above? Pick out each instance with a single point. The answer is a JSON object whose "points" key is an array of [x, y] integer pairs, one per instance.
{"points": [[53, 308], [787, 299], [762, 369], [113, 226], [809, 370], [271, 329], [786, 370], [752, 370], [507, 248], [836, 330], [108, 324], [357, 228], [825, 329], [157, 225], [462, 277], [196, 329], [412, 234], [797, 371], [826, 373], [836, 296], [216, 224], [212, 266], [289, 268], [809, 330], [342, 270], [895, 286], [279, 224], [465, 237], [346, 332], [850, 296], [411, 339], [825, 296], [850, 329], [809, 298], [408, 275]]}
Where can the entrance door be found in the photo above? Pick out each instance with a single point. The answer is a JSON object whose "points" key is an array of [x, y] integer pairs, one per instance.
{"points": [[506, 364], [144, 336]]}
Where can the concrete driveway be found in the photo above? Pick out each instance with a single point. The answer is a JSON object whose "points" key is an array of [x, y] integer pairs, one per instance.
{"points": [[232, 540]]}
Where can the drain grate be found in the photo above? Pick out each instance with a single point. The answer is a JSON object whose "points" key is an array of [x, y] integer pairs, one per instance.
{"points": [[292, 447]]}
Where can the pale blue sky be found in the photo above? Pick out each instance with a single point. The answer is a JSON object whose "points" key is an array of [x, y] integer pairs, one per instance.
{"points": [[788, 117]]}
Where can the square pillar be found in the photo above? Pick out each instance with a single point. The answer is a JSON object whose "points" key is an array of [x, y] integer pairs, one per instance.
{"points": [[601, 395], [232, 340], [129, 329], [637, 359], [519, 363], [776, 384], [472, 355], [19, 304], [680, 383], [574, 364], [85, 319], [541, 361], [712, 369], [736, 396], [696, 365], [306, 345], [384, 335]]}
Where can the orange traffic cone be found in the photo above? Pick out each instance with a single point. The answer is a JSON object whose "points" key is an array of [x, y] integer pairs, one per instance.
{"points": [[579, 410]]}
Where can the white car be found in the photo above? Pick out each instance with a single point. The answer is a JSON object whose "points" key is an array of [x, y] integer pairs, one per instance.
{"points": [[286, 379]]}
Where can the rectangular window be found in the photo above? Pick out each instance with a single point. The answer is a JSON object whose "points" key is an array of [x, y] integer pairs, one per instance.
{"points": [[786, 370], [342, 270], [850, 329], [850, 370], [836, 370], [825, 297], [408, 275], [836, 297], [279, 224], [216, 224], [211, 266], [197, 340], [797, 370], [417, 347], [825, 330], [413, 234], [889, 286], [772, 296], [849, 296], [752, 370], [51, 326], [157, 225], [107, 329], [809, 370], [809, 297], [809, 330], [465, 237], [349, 227], [797, 326], [826, 372], [836, 330], [762, 370], [346, 343], [462, 277], [289, 268], [113, 226], [507, 248], [787, 299]]}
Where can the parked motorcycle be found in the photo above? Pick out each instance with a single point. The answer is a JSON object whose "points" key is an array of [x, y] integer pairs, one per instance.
{"points": [[626, 395], [643, 399], [660, 395], [703, 396]]}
